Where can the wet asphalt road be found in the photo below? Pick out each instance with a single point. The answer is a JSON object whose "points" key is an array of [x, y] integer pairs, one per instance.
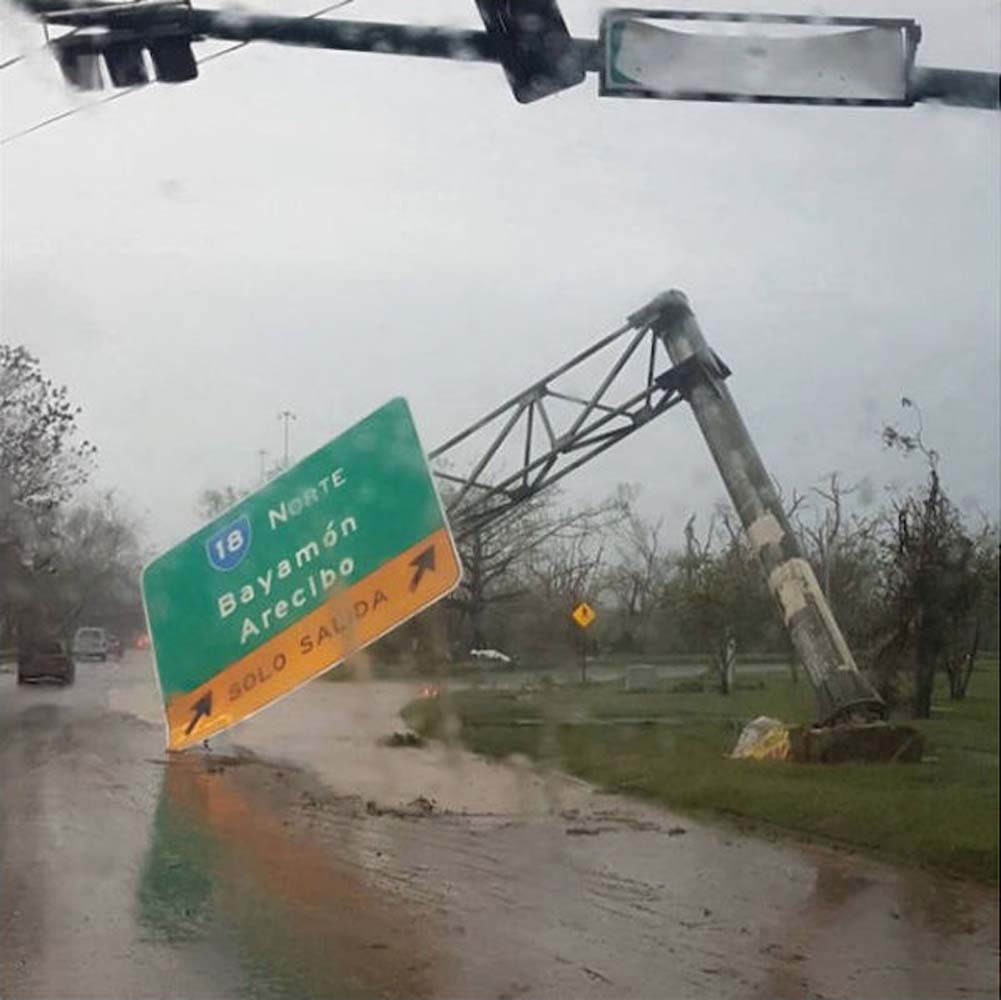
{"points": [[298, 858]]}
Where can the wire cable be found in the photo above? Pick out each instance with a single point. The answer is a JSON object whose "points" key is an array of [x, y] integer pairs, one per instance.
{"points": [[14, 60], [69, 112]]}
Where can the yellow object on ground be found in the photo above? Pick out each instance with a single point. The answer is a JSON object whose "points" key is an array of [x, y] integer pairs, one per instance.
{"points": [[763, 739]]}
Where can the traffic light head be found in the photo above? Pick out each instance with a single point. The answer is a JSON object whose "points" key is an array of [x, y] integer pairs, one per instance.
{"points": [[173, 59], [533, 45], [121, 34], [125, 63], [80, 64]]}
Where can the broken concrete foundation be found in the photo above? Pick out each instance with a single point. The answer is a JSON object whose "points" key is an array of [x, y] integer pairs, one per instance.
{"points": [[876, 742]]}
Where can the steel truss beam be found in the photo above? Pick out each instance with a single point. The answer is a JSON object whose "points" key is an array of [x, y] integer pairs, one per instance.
{"points": [[550, 448]]}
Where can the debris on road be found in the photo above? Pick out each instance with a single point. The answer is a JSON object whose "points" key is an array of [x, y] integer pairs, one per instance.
{"points": [[422, 806], [403, 738], [415, 808]]}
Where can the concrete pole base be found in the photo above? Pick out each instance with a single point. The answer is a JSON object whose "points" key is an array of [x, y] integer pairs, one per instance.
{"points": [[845, 696], [873, 743]]}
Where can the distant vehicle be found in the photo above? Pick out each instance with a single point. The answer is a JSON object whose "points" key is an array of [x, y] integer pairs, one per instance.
{"points": [[90, 644], [48, 661], [142, 641], [490, 654], [114, 646]]}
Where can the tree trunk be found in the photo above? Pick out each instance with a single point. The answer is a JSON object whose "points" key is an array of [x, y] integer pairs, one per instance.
{"points": [[967, 668], [476, 624], [477, 602], [924, 679], [726, 663]]}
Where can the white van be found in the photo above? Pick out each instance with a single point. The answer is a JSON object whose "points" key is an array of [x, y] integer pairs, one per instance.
{"points": [[90, 644]]}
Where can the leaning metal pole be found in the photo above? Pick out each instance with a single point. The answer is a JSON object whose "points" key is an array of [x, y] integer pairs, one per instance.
{"points": [[843, 693]]}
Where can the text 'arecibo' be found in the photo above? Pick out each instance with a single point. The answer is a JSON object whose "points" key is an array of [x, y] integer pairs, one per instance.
{"points": [[319, 580]]}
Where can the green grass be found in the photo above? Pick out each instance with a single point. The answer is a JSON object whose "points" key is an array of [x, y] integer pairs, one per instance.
{"points": [[668, 659], [941, 813]]}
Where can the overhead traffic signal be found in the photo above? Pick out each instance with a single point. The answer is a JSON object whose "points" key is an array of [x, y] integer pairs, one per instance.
{"points": [[125, 64], [80, 64], [120, 35], [533, 45], [79, 57], [173, 60]]}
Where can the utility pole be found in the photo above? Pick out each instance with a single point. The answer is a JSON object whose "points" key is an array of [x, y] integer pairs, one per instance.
{"points": [[287, 416], [843, 693], [262, 456]]}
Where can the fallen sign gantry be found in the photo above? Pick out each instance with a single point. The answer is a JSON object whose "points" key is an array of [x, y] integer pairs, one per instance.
{"points": [[850, 712], [546, 449]]}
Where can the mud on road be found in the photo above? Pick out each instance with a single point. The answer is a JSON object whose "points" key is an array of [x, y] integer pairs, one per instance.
{"points": [[302, 858]]}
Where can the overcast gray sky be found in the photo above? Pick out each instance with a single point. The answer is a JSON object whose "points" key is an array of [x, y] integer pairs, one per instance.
{"points": [[322, 231]]}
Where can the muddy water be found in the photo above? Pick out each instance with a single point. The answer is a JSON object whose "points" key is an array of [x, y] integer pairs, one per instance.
{"points": [[300, 857]]}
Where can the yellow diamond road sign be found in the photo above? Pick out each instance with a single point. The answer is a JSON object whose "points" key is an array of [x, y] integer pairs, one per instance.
{"points": [[583, 614]]}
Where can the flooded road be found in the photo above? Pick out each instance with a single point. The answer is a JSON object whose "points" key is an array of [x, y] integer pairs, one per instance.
{"points": [[299, 857]]}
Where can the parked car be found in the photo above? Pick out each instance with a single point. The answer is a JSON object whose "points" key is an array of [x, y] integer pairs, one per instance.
{"points": [[47, 661], [90, 643]]}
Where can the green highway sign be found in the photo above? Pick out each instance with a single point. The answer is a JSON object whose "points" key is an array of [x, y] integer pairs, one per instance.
{"points": [[785, 58], [323, 560]]}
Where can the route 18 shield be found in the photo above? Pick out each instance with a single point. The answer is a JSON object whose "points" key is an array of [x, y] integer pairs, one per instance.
{"points": [[227, 548]]}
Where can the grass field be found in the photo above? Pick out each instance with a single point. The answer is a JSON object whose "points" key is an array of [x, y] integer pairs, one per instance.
{"points": [[671, 746]]}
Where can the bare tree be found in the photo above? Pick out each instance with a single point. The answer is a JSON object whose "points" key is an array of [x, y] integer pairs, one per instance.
{"points": [[932, 579], [636, 576], [213, 501], [501, 560], [697, 551], [842, 546], [716, 598], [42, 462], [564, 572], [96, 567], [823, 537], [490, 557]]}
